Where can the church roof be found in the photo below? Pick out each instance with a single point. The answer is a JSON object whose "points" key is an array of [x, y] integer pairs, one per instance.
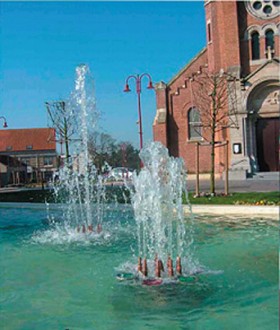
{"points": [[187, 65], [274, 60]]}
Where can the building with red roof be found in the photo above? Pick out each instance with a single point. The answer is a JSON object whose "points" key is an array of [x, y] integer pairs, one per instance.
{"points": [[27, 155]]}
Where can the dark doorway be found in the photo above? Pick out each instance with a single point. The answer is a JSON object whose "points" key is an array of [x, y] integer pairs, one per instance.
{"points": [[268, 144]]}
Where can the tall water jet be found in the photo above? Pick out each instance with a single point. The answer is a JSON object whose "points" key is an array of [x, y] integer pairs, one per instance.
{"points": [[79, 186], [165, 233]]}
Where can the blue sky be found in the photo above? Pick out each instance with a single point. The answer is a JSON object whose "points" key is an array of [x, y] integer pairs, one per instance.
{"points": [[43, 42]]}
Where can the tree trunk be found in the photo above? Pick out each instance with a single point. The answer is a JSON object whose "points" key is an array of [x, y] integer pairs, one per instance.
{"points": [[212, 177], [66, 141], [67, 150], [213, 136], [197, 170], [226, 169]]}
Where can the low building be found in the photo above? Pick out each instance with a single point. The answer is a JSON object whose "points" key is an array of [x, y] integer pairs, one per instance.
{"points": [[27, 155], [12, 171]]}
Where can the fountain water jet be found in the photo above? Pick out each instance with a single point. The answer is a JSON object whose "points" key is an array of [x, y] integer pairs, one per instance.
{"points": [[164, 232], [79, 185]]}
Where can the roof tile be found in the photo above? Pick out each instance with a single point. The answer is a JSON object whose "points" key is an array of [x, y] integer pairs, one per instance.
{"points": [[19, 139]]}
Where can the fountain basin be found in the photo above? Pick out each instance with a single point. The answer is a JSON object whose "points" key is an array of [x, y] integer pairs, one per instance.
{"points": [[50, 281]]}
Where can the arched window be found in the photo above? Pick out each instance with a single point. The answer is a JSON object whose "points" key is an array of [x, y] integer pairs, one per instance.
{"points": [[194, 124], [255, 45], [269, 39]]}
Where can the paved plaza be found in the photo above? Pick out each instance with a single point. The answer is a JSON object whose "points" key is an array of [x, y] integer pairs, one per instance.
{"points": [[264, 182]]}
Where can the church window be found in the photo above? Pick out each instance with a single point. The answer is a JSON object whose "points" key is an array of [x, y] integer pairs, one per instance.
{"points": [[263, 9], [255, 44], [269, 39], [194, 124], [257, 5], [267, 10], [209, 32]]}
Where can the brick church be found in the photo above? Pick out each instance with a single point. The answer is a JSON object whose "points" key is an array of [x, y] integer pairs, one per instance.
{"points": [[243, 49]]}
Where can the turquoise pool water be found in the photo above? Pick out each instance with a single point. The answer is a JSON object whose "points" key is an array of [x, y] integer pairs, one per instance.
{"points": [[50, 280]]}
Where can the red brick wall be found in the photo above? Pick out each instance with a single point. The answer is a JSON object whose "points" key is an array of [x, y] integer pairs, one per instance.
{"points": [[229, 22], [179, 102], [175, 133], [159, 133], [223, 50], [160, 130]]}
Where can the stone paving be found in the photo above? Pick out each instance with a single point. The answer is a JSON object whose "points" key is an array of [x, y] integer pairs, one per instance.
{"points": [[241, 211], [261, 183]]}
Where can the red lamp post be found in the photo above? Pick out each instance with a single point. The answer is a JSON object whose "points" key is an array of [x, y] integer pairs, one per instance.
{"points": [[138, 79]]}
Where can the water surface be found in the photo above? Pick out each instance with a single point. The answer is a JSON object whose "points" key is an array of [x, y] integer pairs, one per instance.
{"points": [[56, 280]]}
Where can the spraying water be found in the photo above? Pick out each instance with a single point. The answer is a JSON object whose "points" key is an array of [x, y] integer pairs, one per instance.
{"points": [[164, 233], [80, 187]]}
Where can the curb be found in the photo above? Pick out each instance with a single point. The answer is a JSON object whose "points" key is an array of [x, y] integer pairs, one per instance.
{"points": [[238, 210]]}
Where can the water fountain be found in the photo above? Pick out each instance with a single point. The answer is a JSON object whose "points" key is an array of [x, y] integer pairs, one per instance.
{"points": [[48, 283], [164, 232], [79, 186]]}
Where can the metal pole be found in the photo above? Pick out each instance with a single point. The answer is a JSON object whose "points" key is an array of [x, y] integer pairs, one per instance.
{"points": [[226, 169], [140, 119], [5, 125], [197, 170]]}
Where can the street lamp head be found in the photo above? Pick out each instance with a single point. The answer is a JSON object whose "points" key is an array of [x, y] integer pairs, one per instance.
{"points": [[150, 86], [5, 125], [127, 89]]}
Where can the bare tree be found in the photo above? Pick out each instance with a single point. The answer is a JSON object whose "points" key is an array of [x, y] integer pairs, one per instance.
{"points": [[214, 95], [105, 149], [101, 146], [63, 122]]}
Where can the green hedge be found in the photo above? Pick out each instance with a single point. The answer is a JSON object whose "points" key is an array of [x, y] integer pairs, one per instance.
{"points": [[121, 195]]}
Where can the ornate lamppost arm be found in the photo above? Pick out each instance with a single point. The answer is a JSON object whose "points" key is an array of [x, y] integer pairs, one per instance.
{"points": [[5, 121], [138, 79], [127, 89], [150, 85]]}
